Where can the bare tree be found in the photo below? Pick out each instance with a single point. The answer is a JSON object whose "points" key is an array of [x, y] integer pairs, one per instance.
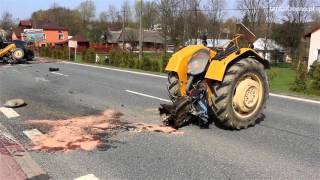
{"points": [[252, 11], [297, 13], [6, 21], [150, 14], [87, 11], [215, 15], [315, 18], [168, 13], [270, 18]]}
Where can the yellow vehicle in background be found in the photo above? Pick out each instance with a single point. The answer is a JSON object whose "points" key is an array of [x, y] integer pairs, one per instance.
{"points": [[227, 85], [10, 53]]}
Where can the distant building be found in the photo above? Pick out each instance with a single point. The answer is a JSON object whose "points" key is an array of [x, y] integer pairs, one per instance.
{"points": [[314, 47], [271, 51], [152, 40], [52, 33], [82, 41]]}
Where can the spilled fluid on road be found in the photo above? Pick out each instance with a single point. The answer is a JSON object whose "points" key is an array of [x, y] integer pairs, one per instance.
{"points": [[84, 133]]}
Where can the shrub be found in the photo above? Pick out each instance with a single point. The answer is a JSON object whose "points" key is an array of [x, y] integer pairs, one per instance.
{"points": [[146, 64], [272, 73], [314, 87], [88, 56], [115, 57], [164, 61], [300, 82]]}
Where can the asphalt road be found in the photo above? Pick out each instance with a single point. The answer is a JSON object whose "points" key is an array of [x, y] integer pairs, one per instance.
{"points": [[286, 145]]}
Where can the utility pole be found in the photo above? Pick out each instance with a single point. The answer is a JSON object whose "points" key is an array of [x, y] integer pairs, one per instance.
{"points": [[123, 28], [141, 33], [267, 32]]}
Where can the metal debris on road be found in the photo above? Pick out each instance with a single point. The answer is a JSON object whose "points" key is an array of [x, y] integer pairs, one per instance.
{"points": [[51, 69], [15, 103]]}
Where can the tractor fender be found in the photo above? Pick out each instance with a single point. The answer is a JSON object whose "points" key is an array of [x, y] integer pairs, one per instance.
{"points": [[217, 68], [7, 49]]}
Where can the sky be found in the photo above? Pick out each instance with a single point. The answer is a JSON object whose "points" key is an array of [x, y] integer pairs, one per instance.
{"points": [[22, 9]]}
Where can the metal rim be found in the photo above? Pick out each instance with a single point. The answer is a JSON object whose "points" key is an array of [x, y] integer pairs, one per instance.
{"points": [[18, 54], [247, 96]]}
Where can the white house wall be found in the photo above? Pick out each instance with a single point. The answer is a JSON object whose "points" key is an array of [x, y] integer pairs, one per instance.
{"points": [[314, 47]]}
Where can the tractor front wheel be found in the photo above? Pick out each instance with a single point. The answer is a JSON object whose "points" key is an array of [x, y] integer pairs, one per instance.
{"points": [[239, 100]]}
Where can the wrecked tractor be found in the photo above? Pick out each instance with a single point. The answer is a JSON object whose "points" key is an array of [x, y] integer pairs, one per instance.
{"points": [[226, 84]]}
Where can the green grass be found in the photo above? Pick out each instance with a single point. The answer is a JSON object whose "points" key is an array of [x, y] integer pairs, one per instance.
{"points": [[282, 80]]}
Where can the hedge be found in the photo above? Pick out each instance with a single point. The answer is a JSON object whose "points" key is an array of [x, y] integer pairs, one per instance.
{"points": [[118, 58]]}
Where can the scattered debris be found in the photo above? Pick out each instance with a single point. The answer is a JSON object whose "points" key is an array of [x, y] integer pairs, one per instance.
{"points": [[15, 103], [51, 69], [157, 128]]}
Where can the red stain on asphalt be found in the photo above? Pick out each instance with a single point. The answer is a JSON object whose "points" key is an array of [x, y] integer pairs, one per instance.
{"points": [[79, 133], [84, 133]]}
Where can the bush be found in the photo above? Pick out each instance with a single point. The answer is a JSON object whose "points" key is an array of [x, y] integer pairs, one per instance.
{"points": [[115, 57], [300, 82], [88, 56], [164, 61], [272, 73], [146, 64], [314, 86]]}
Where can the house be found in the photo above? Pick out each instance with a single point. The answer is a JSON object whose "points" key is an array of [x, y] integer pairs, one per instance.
{"points": [[271, 51], [314, 45], [52, 33], [152, 40], [82, 42]]}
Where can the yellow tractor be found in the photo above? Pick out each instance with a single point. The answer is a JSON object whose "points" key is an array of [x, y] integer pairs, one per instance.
{"points": [[10, 53], [227, 85]]}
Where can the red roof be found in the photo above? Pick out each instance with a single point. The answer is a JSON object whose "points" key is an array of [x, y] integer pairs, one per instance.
{"points": [[79, 38], [25, 23]]}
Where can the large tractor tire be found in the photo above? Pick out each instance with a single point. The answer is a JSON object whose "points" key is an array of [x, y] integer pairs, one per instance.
{"points": [[173, 86], [239, 100]]}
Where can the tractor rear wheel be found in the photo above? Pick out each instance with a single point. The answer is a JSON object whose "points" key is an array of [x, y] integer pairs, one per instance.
{"points": [[239, 100], [173, 86]]}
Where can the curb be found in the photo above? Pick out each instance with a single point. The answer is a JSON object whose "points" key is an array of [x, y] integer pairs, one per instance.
{"points": [[29, 167]]}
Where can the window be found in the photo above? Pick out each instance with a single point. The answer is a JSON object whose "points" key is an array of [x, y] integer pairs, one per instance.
{"points": [[61, 36], [44, 37], [318, 54]]}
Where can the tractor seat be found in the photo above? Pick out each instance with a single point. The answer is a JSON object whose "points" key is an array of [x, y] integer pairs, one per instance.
{"points": [[223, 54]]}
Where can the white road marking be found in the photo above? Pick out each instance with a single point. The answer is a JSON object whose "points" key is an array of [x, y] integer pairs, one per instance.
{"points": [[39, 79], [160, 76], [87, 177], [295, 98], [9, 112], [149, 96], [60, 74], [120, 70], [32, 133]]}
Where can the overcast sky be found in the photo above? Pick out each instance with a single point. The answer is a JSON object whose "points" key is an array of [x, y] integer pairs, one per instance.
{"points": [[22, 9]]}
